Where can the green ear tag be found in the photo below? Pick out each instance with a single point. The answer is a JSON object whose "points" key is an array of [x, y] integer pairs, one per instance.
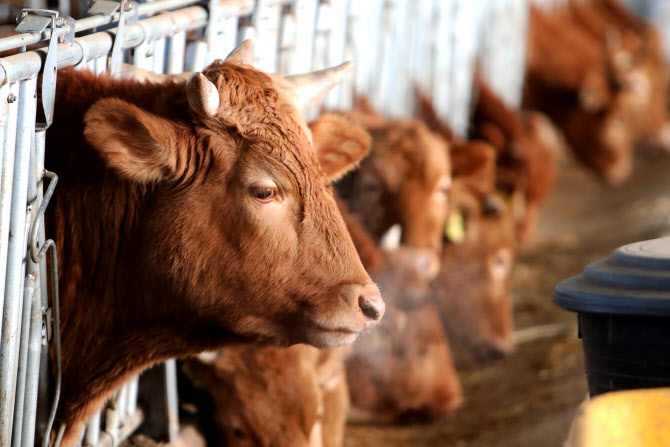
{"points": [[455, 228]]}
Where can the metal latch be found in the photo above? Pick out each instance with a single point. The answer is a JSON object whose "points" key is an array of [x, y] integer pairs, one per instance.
{"points": [[37, 21], [128, 13]]}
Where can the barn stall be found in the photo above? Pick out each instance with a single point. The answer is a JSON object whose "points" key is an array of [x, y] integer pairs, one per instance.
{"points": [[396, 46]]}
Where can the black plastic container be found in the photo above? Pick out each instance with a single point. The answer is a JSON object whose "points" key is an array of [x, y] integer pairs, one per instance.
{"points": [[623, 304]]}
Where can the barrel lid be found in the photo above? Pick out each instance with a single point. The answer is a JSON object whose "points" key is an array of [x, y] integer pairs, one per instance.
{"points": [[635, 280]]}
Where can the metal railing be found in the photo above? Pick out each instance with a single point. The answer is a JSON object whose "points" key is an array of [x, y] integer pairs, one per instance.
{"points": [[395, 45]]}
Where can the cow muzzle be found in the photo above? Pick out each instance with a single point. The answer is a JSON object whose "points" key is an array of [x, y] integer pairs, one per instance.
{"points": [[371, 304]]}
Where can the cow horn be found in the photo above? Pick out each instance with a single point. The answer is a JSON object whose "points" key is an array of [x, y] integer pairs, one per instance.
{"points": [[202, 95], [244, 52], [311, 87], [391, 239]]}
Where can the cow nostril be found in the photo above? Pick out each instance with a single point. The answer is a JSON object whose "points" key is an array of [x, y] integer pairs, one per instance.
{"points": [[372, 307]]}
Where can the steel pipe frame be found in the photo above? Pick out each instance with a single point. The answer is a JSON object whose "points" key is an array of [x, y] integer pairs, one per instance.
{"points": [[25, 65], [16, 254], [28, 371], [8, 118], [29, 291]]}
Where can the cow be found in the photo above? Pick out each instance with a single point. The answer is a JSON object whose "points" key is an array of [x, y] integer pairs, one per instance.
{"points": [[527, 147], [569, 78], [404, 181], [636, 59], [294, 396], [191, 214], [269, 396], [471, 289], [298, 396], [404, 369]]}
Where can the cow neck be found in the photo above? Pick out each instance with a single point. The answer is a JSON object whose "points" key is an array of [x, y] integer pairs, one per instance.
{"points": [[95, 218]]}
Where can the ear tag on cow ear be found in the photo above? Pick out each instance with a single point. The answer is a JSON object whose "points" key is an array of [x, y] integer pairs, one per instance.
{"points": [[455, 228]]}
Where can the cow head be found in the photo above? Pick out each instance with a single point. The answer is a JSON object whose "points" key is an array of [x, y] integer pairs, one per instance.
{"points": [[472, 288], [242, 230], [403, 181], [261, 396], [404, 369]]}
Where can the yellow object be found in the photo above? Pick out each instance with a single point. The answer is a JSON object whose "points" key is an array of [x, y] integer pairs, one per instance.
{"points": [[455, 228], [635, 418]]}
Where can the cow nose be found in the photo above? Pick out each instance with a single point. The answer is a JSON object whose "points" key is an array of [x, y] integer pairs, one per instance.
{"points": [[371, 304]]}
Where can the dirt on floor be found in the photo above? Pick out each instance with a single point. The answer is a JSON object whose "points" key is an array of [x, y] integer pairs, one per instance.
{"points": [[529, 398]]}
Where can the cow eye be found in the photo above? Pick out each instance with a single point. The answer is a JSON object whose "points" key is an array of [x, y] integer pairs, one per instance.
{"points": [[263, 192], [239, 433]]}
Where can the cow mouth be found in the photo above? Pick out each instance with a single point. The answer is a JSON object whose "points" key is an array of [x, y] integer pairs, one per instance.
{"points": [[330, 337]]}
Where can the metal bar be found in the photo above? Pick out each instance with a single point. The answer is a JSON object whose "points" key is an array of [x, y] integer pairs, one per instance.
{"points": [[92, 437], [32, 370], [132, 395], [287, 42], [22, 66], [9, 94], [175, 53], [228, 8], [44, 371], [198, 58], [15, 258], [122, 403], [142, 56], [305, 17], [132, 423], [266, 22], [340, 95], [112, 423], [20, 400], [172, 402], [22, 411], [159, 56]]}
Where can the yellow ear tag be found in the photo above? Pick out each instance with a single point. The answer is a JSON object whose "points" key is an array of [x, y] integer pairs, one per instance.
{"points": [[455, 228]]}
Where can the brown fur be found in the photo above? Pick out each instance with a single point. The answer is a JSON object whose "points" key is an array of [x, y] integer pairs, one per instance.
{"points": [[274, 396], [403, 181], [163, 252], [472, 288], [570, 77], [525, 159], [404, 369]]}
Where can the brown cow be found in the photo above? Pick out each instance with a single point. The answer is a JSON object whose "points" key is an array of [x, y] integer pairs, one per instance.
{"points": [[569, 78], [268, 396], [526, 150], [276, 397], [404, 181], [190, 214], [404, 369], [251, 384], [472, 288], [637, 62]]}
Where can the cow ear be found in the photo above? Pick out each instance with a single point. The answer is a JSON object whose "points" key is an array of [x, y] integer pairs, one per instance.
{"points": [[137, 144], [474, 160], [339, 144]]}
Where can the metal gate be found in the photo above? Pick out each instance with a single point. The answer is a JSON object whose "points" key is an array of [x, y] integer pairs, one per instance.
{"points": [[395, 44]]}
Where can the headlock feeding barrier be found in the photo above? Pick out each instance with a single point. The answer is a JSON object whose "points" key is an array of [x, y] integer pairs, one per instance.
{"points": [[397, 45]]}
